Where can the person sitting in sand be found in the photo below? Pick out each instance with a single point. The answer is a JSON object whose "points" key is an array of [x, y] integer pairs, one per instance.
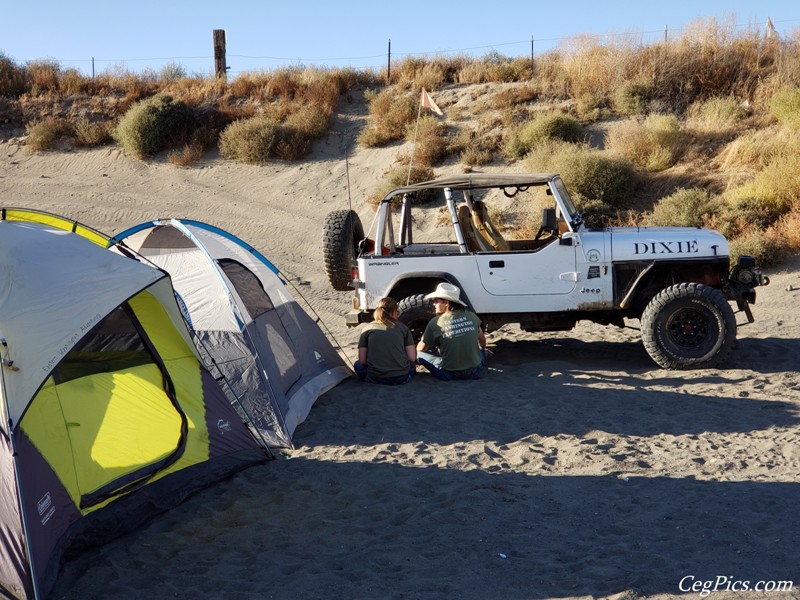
{"points": [[386, 352], [455, 336]]}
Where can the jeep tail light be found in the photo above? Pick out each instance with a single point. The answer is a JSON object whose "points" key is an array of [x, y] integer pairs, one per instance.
{"points": [[354, 273]]}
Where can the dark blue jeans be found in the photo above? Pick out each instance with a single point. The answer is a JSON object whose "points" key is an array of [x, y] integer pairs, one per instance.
{"points": [[433, 362], [363, 375]]}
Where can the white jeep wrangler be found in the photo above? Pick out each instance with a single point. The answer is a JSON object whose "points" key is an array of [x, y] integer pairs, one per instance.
{"points": [[676, 280]]}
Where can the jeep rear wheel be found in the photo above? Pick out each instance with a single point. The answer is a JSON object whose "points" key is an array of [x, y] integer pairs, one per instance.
{"points": [[415, 312], [689, 325], [341, 233]]}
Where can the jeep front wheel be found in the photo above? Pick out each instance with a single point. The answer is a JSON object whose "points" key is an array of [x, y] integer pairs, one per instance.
{"points": [[341, 233], [689, 325], [415, 312]]}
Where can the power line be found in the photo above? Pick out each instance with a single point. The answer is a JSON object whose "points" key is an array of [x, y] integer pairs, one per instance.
{"points": [[402, 55]]}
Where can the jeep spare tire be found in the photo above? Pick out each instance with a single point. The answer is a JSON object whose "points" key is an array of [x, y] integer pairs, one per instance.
{"points": [[688, 326], [415, 312], [341, 233]]}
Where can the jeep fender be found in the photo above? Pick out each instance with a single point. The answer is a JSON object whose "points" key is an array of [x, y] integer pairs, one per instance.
{"points": [[410, 284]]}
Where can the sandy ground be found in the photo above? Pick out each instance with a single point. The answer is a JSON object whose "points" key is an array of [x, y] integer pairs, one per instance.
{"points": [[575, 469]]}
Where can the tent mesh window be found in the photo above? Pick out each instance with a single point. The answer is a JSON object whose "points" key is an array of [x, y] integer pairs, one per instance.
{"points": [[248, 286], [112, 345]]}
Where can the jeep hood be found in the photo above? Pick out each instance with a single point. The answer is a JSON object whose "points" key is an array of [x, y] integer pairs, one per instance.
{"points": [[666, 243]]}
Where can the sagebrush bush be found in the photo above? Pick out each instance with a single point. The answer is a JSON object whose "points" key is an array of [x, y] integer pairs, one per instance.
{"points": [[12, 77], [765, 246], [309, 120], [787, 229], [45, 134], [91, 133], [550, 126], [715, 114], [389, 113], [785, 107], [155, 124], [252, 141], [687, 207], [190, 153], [587, 172], [592, 106], [431, 144], [596, 213], [776, 186], [631, 99], [654, 144], [400, 177]]}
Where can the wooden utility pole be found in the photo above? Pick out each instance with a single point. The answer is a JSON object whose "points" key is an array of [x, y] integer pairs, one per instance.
{"points": [[220, 68]]}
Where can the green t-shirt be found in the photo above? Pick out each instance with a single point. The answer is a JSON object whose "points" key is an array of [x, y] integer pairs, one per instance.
{"points": [[386, 349], [455, 333]]}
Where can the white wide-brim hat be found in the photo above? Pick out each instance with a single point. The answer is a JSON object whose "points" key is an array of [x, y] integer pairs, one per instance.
{"points": [[446, 291]]}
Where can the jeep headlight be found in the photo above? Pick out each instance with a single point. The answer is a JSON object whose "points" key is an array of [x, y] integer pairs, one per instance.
{"points": [[744, 276]]}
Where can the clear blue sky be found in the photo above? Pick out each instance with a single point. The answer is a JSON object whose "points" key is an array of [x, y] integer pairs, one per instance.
{"points": [[264, 35]]}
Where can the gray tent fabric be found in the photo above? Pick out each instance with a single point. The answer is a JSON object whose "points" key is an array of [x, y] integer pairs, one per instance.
{"points": [[273, 360], [107, 414]]}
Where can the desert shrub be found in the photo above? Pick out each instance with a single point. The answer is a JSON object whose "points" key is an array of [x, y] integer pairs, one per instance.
{"points": [[473, 156], [415, 73], [12, 77], [45, 134], [715, 114], [390, 112], [400, 177], [654, 144], [91, 133], [590, 173], [43, 76], [152, 125], [776, 186], [252, 141], [430, 143], [171, 72], [756, 149], [596, 213], [309, 120], [632, 99], [785, 106], [765, 246], [687, 207], [787, 229], [510, 97], [72, 82], [190, 153], [493, 67], [740, 216], [551, 126], [592, 106]]}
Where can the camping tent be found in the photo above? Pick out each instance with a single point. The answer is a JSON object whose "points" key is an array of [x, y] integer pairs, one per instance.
{"points": [[107, 415], [273, 359]]}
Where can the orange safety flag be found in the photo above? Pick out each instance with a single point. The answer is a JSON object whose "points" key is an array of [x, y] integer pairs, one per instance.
{"points": [[426, 101]]}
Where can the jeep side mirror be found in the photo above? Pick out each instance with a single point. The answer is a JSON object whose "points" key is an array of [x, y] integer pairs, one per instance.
{"points": [[549, 221]]}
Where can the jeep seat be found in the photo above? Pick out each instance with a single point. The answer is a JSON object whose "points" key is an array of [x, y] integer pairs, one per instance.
{"points": [[475, 243], [485, 227]]}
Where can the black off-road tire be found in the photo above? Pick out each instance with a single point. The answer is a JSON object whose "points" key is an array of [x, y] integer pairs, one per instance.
{"points": [[341, 233], [415, 312], [688, 326]]}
